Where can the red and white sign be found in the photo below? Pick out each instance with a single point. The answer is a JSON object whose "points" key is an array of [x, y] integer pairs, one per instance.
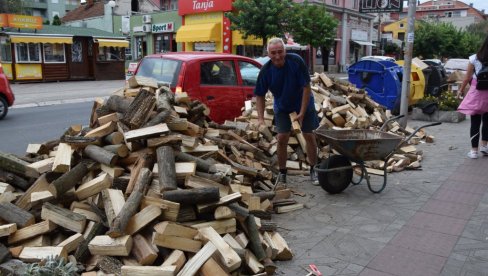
{"points": [[201, 6], [227, 37]]}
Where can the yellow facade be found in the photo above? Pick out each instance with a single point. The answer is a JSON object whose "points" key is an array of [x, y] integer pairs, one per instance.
{"points": [[213, 20], [398, 27]]}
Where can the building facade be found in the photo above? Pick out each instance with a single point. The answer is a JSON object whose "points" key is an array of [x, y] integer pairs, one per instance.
{"points": [[47, 9]]}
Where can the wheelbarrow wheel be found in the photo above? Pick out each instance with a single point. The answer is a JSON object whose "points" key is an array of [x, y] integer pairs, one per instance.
{"points": [[335, 181]]}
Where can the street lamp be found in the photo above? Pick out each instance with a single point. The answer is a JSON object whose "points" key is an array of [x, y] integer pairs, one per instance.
{"points": [[112, 4]]}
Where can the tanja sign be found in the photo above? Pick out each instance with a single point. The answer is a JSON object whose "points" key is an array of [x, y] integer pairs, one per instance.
{"points": [[201, 6]]}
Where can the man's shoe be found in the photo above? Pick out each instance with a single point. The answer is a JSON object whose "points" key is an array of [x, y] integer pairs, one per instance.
{"points": [[484, 150], [473, 154], [313, 177]]}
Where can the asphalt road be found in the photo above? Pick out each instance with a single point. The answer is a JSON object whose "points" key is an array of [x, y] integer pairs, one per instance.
{"points": [[27, 125]]}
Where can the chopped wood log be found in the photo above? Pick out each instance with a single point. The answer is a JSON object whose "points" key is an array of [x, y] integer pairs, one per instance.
{"points": [[112, 117], [145, 160], [146, 132], [102, 130], [254, 239], [220, 226], [71, 244], [93, 186], [209, 207], [252, 262], [212, 268], [14, 179], [176, 258], [166, 168], [288, 208], [110, 265], [114, 172], [130, 206], [43, 165], [128, 270], [36, 254], [24, 201], [138, 111], [193, 196], [118, 104], [196, 262], [82, 252], [120, 149], [101, 155], [171, 209], [63, 217], [13, 214], [113, 202], [114, 138], [228, 257], [143, 218], [31, 231], [174, 242], [68, 180], [108, 246], [7, 229], [10, 163], [62, 160], [224, 212], [5, 253], [161, 117], [202, 165], [143, 251], [284, 252]]}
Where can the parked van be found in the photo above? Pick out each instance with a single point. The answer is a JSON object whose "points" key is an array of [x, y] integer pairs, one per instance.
{"points": [[221, 81]]}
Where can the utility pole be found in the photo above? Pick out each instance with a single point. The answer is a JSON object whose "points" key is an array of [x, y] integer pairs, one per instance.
{"points": [[407, 65]]}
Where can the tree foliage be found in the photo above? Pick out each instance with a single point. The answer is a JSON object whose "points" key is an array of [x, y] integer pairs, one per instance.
{"points": [[438, 40], [313, 25], [11, 6], [56, 20], [261, 18]]}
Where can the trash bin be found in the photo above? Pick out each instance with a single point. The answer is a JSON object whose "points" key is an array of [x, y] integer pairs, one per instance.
{"points": [[417, 80], [380, 78], [436, 82]]}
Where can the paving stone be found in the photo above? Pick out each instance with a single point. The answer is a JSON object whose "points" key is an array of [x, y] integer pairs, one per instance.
{"points": [[438, 223], [450, 209], [446, 194]]}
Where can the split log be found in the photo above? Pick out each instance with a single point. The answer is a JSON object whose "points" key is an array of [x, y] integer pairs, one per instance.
{"points": [[131, 205], [118, 103], [138, 111], [82, 252], [101, 155], [10, 163], [159, 118], [193, 265], [63, 217], [68, 180], [114, 138], [13, 214], [176, 258], [228, 257], [120, 149], [108, 246], [166, 168], [202, 165], [253, 234], [110, 265], [193, 196], [14, 180], [143, 250]]}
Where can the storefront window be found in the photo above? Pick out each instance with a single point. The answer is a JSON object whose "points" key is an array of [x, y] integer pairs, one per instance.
{"points": [[5, 50], [109, 54], [54, 53], [162, 43], [28, 52]]}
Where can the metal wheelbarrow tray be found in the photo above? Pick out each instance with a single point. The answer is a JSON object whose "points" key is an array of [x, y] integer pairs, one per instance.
{"points": [[357, 145]]}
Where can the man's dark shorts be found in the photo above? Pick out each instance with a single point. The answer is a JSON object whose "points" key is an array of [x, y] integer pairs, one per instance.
{"points": [[309, 124]]}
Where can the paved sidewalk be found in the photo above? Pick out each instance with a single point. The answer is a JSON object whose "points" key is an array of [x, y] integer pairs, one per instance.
{"points": [[428, 222]]}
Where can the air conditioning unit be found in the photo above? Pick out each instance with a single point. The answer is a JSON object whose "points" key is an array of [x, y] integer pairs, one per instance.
{"points": [[146, 19], [146, 28]]}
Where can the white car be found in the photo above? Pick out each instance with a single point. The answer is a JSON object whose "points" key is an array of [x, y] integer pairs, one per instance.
{"points": [[455, 64], [378, 58]]}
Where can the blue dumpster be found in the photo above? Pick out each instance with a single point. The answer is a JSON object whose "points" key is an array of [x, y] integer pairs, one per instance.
{"points": [[380, 78]]}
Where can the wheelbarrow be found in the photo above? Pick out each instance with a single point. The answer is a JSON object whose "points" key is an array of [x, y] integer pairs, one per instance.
{"points": [[357, 145]]}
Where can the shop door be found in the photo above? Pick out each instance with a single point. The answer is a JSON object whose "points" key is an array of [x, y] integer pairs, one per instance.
{"points": [[79, 64]]}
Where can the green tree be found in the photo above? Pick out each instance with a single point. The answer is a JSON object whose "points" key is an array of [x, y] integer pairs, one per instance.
{"points": [[312, 25], [438, 40], [11, 6], [261, 18], [56, 20]]}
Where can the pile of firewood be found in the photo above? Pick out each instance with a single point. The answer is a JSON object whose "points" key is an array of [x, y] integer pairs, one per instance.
{"points": [[152, 187]]}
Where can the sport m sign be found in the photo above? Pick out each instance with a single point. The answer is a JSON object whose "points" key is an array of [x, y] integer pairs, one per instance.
{"points": [[367, 6]]}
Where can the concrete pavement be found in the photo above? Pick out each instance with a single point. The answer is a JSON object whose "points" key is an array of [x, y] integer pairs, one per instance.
{"points": [[432, 221]]}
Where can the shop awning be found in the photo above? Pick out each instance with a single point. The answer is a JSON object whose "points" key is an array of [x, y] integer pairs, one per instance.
{"points": [[237, 39], [364, 43], [112, 43], [40, 39], [200, 32]]}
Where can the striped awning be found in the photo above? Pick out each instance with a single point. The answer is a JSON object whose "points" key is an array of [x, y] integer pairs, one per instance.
{"points": [[41, 39]]}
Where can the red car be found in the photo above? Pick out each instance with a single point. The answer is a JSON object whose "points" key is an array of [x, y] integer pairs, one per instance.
{"points": [[6, 95], [222, 81]]}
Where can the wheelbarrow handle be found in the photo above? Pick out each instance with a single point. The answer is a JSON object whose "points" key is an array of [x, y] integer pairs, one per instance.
{"points": [[389, 120], [419, 128]]}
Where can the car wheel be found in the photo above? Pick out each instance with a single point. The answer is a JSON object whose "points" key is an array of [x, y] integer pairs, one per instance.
{"points": [[3, 108]]}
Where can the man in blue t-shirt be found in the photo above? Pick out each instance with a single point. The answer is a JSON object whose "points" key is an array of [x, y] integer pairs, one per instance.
{"points": [[286, 76]]}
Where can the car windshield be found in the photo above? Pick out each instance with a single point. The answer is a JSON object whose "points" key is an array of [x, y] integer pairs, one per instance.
{"points": [[160, 69]]}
